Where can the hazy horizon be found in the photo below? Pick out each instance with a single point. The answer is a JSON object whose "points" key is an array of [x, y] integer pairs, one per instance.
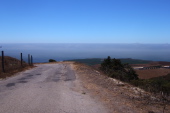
{"points": [[66, 51]]}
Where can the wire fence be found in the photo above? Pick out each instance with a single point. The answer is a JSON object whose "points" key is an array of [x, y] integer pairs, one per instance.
{"points": [[8, 64]]}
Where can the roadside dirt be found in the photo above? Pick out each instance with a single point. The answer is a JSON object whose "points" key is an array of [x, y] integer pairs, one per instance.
{"points": [[119, 97]]}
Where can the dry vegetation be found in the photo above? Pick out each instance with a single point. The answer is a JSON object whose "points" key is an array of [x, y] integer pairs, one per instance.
{"points": [[148, 73], [151, 73], [12, 66], [151, 64], [120, 97]]}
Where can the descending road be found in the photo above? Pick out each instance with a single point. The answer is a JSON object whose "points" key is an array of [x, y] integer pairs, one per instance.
{"points": [[48, 88]]}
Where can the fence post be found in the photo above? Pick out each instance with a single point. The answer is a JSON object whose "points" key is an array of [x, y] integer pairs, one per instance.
{"points": [[3, 69], [21, 59], [29, 59]]}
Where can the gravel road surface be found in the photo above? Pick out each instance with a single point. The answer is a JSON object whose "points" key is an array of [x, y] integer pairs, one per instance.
{"points": [[47, 88]]}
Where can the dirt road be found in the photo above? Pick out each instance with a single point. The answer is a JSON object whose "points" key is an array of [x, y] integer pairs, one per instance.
{"points": [[47, 88]]}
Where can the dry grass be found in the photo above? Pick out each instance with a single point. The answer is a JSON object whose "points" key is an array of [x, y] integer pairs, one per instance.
{"points": [[151, 73], [12, 66]]}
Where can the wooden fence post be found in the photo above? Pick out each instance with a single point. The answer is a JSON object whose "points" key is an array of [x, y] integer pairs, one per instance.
{"points": [[3, 68], [29, 59], [21, 60]]}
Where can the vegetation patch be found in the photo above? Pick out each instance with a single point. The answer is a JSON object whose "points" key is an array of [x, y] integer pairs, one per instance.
{"points": [[115, 69], [156, 85], [52, 60], [124, 72]]}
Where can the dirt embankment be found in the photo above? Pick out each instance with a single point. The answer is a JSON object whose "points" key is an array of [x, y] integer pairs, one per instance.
{"points": [[118, 96]]}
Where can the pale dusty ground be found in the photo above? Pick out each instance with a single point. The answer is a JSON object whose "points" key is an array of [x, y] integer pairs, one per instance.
{"points": [[48, 88]]}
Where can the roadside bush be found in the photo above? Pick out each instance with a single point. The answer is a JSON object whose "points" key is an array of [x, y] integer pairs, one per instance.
{"points": [[115, 69], [166, 88], [124, 72], [137, 83], [154, 85], [52, 60]]}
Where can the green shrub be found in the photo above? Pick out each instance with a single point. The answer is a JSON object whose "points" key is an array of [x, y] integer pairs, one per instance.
{"points": [[124, 72], [154, 85], [115, 69], [166, 88], [52, 60]]}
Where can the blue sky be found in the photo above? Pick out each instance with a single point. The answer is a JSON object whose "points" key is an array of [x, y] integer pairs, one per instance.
{"points": [[84, 21]]}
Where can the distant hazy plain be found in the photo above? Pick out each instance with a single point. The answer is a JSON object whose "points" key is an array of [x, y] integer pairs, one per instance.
{"points": [[67, 51]]}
